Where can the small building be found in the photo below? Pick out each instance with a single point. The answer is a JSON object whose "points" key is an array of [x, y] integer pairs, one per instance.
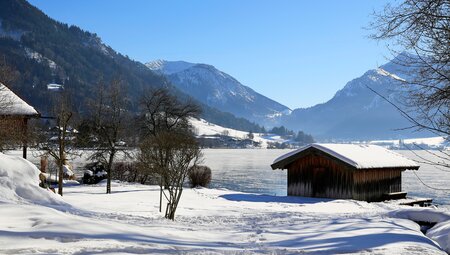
{"points": [[14, 116], [344, 171]]}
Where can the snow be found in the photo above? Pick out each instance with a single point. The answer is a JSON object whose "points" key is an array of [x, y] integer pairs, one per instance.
{"points": [[439, 232], [208, 221], [361, 156], [11, 104], [413, 143], [55, 87], [168, 67], [386, 73], [67, 171], [39, 58], [205, 128], [19, 182]]}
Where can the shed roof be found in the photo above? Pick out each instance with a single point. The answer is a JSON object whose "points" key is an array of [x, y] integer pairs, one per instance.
{"points": [[359, 156], [13, 105]]}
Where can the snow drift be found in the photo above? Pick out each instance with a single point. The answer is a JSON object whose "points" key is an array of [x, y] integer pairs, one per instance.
{"points": [[19, 182], [440, 232]]}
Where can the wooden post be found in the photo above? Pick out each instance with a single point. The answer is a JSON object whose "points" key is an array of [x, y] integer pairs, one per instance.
{"points": [[25, 137], [160, 194]]}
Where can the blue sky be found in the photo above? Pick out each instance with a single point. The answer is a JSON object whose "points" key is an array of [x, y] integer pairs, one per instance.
{"points": [[298, 53]]}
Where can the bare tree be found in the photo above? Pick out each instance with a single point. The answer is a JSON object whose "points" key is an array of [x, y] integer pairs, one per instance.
{"points": [[161, 111], [170, 155], [109, 121], [59, 149], [421, 30], [168, 147]]}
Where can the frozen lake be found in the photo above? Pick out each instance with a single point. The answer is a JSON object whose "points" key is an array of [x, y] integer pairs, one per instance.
{"points": [[248, 170]]}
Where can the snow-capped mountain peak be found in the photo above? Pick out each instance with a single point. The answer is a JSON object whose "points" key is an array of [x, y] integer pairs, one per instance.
{"points": [[219, 90], [168, 67]]}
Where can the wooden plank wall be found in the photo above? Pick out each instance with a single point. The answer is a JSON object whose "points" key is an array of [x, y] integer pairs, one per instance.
{"points": [[319, 176], [11, 130], [371, 184]]}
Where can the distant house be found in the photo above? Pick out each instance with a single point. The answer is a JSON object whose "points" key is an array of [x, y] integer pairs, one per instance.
{"points": [[14, 116], [348, 171]]}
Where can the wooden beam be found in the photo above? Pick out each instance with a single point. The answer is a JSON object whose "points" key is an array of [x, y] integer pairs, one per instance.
{"points": [[25, 137]]}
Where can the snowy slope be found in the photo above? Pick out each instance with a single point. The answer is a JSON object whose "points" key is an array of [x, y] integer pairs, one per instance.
{"points": [[220, 90], [204, 128], [438, 142], [19, 180]]}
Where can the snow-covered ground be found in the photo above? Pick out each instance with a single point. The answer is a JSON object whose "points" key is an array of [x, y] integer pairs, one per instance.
{"points": [[202, 127], [438, 142], [209, 221]]}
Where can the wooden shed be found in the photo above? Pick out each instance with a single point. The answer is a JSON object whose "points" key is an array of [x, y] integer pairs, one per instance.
{"points": [[345, 171], [14, 116]]}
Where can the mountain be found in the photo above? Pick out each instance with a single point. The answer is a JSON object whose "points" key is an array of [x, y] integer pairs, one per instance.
{"points": [[220, 90], [43, 51], [356, 112]]}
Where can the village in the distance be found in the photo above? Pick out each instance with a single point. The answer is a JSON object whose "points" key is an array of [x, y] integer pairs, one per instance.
{"points": [[101, 153]]}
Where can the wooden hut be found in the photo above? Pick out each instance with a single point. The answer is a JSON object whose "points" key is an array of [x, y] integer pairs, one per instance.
{"points": [[14, 116], [345, 171]]}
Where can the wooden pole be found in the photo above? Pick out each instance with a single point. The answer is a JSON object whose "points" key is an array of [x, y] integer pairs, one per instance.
{"points": [[160, 194], [25, 137]]}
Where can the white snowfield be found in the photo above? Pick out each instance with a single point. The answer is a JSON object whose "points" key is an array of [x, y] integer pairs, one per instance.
{"points": [[360, 156], [205, 128], [11, 104], [208, 221]]}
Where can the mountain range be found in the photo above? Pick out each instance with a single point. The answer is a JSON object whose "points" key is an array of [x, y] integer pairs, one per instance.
{"points": [[220, 90], [43, 51], [355, 112]]}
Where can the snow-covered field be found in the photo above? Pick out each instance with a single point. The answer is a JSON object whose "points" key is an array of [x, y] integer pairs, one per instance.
{"points": [[438, 142], [209, 221], [205, 128]]}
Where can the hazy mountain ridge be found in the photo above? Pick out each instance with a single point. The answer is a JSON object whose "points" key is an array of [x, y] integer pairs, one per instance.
{"points": [[220, 90], [355, 112]]}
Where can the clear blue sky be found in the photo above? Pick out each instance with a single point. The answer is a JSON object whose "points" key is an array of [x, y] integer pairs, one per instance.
{"points": [[298, 53]]}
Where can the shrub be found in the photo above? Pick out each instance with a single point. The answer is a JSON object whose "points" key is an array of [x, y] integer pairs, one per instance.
{"points": [[132, 171], [94, 173], [199, 176]]}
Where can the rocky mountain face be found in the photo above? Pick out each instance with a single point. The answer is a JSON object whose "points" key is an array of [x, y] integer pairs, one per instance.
{"points": [[220, 90], [356, 112]]}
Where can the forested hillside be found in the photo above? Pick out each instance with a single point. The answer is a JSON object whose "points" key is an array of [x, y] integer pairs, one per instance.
{"points": [[42, 51]]}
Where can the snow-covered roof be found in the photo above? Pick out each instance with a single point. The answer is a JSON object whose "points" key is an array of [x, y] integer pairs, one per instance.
{"points": [[360, 156], [11, 104]]}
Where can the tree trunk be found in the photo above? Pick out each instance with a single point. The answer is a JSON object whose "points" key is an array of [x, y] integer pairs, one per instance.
{"points": [[61, 142], [60, 177], [108, 172], [173, 205]]}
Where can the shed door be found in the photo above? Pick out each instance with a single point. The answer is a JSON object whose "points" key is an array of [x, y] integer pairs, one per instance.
{"points": [[319, 182]]}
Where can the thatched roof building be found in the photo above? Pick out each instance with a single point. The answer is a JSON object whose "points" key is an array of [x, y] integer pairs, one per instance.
{"points": [[361, 172]]}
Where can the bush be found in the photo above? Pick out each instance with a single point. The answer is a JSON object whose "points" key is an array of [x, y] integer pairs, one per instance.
{"points": [[94, 173], [199, 176], [132, 171]]}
